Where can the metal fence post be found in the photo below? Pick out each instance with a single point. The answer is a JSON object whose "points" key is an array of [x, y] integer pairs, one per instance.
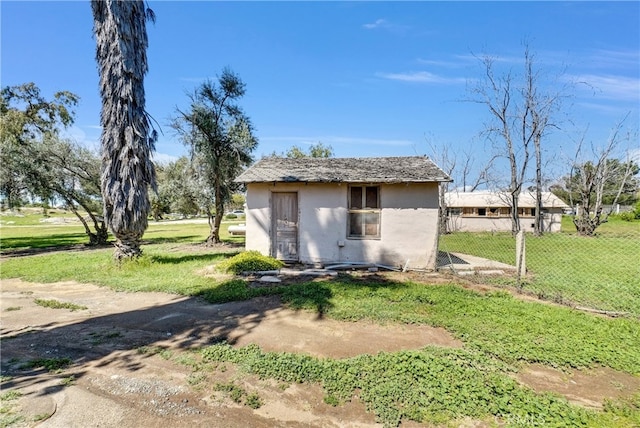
{"points": [[521, 265]]}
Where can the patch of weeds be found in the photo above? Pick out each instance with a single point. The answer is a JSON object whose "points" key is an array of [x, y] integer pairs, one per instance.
{"points": [[253, 400], [41, 417], [431, 385], [187, 359], [5, 378], [56, 304], [233, 391], [68, 381], [249, 261], [196, 378], [9, 419], [13, 308], [50, 364], [627, 409], [27, 293], [10, 395], [150, 350], [163, 353], [331, 400]]}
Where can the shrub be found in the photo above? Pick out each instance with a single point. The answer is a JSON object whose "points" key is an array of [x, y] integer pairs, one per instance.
{"points": [[627, 216], [249, 261], [231, 216]]}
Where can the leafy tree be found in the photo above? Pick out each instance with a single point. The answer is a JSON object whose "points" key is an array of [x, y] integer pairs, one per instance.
{"points": [[318, 150], [178, 192], [72, 172], [38, 162], [27, 117], [127, 138], [159, 200], [237, 201], [315, 151], [221, 140]]}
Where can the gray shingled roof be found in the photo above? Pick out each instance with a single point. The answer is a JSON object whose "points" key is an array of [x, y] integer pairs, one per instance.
{"points": [[408, 169]]}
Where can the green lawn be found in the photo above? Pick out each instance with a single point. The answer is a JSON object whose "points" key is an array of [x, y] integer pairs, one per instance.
{"points": [[32, 230], [601, 272], [433, 385]]}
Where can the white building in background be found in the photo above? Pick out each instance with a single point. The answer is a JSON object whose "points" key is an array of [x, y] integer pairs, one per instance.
{"points": [[491, 211]]}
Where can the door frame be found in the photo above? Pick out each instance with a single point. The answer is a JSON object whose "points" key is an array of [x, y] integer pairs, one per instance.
{"points": [[274, 226]]}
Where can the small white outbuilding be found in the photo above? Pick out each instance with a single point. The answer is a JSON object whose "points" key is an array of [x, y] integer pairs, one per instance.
{"points": [[334, 210]]}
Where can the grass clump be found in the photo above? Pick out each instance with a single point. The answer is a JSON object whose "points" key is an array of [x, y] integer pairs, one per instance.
{"points": [[249, 261], [56, 304], [238, 395], [50, 364], [68, 381], [10, 395]]}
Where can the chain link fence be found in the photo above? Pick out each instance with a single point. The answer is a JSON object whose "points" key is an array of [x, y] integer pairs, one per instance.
{"points": [[599, 273]]}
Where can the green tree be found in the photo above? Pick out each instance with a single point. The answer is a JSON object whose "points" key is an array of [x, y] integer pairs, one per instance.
{"points": [[27, 117], [220, 137], [72, 173], [318, 150], [38, 162], [127, 139], [237, 201], [178, 192]]}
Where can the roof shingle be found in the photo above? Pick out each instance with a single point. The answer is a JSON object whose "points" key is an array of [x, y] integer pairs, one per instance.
{"points": [[401, 169]]}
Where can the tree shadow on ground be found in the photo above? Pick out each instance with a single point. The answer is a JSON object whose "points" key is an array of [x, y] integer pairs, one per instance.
{"points": [[120, 339], [32, 251], [183, 323]]}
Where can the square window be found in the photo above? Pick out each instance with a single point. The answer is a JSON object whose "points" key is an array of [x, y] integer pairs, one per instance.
{"points": [[364, 212]]}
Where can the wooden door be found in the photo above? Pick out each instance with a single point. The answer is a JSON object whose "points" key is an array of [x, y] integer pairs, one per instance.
{"points": [[284, 209]]}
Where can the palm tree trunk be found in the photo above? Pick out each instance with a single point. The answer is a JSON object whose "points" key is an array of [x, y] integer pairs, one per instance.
{"points": [[126, 140]]}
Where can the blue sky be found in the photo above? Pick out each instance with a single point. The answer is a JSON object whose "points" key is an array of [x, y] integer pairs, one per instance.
{"points": [[367, 78]]}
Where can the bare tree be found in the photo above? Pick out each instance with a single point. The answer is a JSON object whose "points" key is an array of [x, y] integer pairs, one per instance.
{"points": [[520, 119], [540, 108], [459, 165], [603, 174]]}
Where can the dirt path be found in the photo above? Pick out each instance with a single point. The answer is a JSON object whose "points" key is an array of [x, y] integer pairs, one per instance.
{"points": [[115, 381], [117, 385]]}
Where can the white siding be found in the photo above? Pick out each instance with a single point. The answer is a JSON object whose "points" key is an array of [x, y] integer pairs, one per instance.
{"points": [[552, 223], [409, 216]]}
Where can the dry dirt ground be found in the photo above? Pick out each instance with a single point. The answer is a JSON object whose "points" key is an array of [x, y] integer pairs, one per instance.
{"points": [[112, 383]]}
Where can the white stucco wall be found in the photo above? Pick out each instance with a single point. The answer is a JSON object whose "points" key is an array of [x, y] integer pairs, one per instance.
{"points": [[409, 216], [552, 223]]}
